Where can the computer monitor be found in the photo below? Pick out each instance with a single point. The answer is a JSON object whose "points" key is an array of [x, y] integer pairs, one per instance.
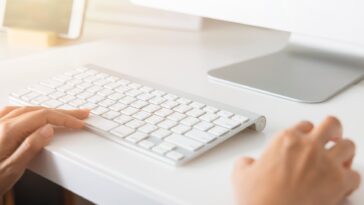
{"points": [[323, 56]]}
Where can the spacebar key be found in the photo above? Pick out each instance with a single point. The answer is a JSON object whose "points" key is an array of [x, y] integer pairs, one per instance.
{"points": [[100, 123]]}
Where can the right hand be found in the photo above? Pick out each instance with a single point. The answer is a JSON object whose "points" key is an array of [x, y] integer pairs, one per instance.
{"points": [[24, 131], [296, 168]]}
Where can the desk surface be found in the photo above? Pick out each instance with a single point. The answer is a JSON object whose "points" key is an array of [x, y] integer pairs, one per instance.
{"points": [[105, 173]]}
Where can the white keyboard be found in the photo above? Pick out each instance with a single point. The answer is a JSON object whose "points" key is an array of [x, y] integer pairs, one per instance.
{"points": [[161, 123]]}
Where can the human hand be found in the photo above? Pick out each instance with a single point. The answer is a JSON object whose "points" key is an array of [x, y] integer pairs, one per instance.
{"points": [[296, 169], [24, 131]]}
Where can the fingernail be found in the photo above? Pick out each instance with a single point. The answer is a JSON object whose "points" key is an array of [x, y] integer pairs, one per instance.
{"points": [[46, 131]]}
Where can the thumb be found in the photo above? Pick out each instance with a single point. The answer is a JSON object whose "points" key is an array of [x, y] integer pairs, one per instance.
{"points": [[31, 146]]}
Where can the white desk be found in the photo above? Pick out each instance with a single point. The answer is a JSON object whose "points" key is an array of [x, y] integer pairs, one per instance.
{"points": [[105, 173]]}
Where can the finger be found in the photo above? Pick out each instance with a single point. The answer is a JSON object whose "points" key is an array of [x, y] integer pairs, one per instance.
{"points": [[343, 151], [352, 181], [22, 126], [31, 146], [5, 110], [304, 127], [329, 129], [20, 110], [244, 162]]}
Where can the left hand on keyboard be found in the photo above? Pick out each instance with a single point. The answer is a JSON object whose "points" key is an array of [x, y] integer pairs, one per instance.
{"points": [[24, 131]]}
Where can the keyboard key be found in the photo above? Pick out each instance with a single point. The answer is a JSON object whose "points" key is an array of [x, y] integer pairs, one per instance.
{"points": [[67, 98], [146, 89], [209, 117], [190, 121], [129, 111], [107, 102], [151, 108], [100, 123], [183, 101], [127, 100], [41, 89], [146, 144], [148, 128], [160, 133], [201, 136], [167, 124], [110, 115], [218, 131], [117, 106], [135, 124], [224, 114], [195, 113], [65, 87], [180, 129], [139, 104], [157, 100], [145, 96], [182, 108], [170, 97], [122, 131], [77, 102], [122, 89], [122, 119], [133, 93], [164, 112], [167, 146], [136, 137], [203, 125], [159, 150], [240, 118], [88, 105], [40, 99], [169, 104], [94, 89], [197, 105], [176, 116], [142, 115], [95, 98], [158, 93], [85, 95], [112, 85], [116, 96], [99, 110], [154, 119], [184, 142], [84, 85], [29, 96], [210, 109], [227, 123], [52, 103], [176, 156], [105, 92], [56, 94], [20, 93]]}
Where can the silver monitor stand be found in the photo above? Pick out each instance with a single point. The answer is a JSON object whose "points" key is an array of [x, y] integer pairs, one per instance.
{"points": [[307, 70]]}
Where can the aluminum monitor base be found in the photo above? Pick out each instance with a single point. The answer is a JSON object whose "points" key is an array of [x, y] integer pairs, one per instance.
{"points": [[298, 73]]}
